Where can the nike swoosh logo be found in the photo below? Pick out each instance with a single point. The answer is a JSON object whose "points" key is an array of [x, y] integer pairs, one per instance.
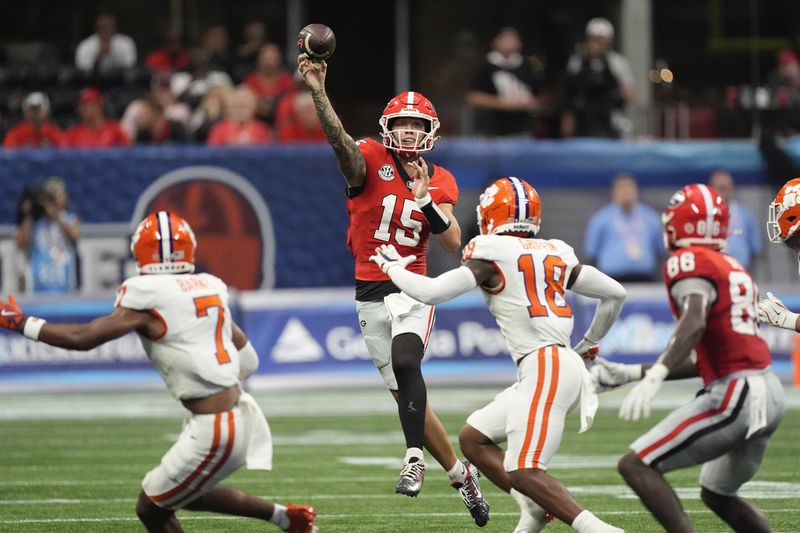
{"points": [[6, 312], [433, 188]]}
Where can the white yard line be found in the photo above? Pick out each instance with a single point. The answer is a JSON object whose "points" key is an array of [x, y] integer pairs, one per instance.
{"points": [[751, 490], [294, 403], [323, 517]]}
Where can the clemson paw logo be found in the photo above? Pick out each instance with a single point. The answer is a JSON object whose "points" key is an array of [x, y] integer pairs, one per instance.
{"points": [[487, 198]]}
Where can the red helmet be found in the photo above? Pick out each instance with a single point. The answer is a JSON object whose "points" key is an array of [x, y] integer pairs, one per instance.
{"points": [[783, 220], [163, 243], [410, 105], [696, 215], [509, 205]]}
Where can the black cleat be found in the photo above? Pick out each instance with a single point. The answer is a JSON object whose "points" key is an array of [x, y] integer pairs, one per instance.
{"points": [[470, 492]]}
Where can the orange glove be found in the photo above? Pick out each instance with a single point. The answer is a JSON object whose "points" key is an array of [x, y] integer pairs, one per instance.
{"points": [[11, 316]]}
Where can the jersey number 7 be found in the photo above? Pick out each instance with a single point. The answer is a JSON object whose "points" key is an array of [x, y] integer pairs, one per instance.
{"points": [[203, 304], [554, 270]]}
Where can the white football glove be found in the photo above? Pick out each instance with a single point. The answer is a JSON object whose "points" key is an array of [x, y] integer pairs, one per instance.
{"points": [[773, 311], [607, 375], [637, 402], [386, 256]]}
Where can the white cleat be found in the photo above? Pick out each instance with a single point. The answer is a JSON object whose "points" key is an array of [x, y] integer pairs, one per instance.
{"points": [[411, 477]]}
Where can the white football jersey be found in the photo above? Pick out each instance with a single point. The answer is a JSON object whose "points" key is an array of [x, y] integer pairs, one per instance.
{"points": [[196, 356], [529, 303]]}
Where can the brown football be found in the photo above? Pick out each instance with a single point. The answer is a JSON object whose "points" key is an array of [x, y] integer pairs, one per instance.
{"points": [[316, 41]]}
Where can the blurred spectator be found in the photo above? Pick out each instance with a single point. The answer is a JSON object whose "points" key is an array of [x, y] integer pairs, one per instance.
{"points": [[191, 87], [240, 127], [254, 36], [296, 119], [503, 88], [94, 130], [599, 82], [453, 77], [744, 236], [624, 238], [47, 234], [173, 109], [35, 131], [270, 81], [215, 45], [784, 86], [152, 127], [106, 51], [210, 111], [171, 57]]}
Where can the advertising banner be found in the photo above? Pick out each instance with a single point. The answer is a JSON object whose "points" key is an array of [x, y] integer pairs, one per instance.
{"points": [[318, 331]]}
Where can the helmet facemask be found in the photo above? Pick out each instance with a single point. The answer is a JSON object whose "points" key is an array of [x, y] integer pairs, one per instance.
{"points": [[424, 139]]}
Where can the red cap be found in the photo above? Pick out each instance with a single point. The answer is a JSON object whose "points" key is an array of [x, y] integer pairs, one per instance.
{"points": [[90, 94], [787, 56]]}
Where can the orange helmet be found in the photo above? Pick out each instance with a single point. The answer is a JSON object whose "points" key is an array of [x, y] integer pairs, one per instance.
{"points": [[163, 243], [783, 220], [509, 205], [409, 105], [696, 215]]}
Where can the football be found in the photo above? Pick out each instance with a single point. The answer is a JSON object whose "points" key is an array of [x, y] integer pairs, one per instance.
{"points": [[316, 41]]}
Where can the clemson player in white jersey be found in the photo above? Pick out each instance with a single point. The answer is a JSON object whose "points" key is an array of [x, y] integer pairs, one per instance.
{"points": [[783, 223], [523, 280], [187, 331]]}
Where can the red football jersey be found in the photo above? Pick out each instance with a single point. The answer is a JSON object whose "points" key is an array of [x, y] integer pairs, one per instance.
{"points": [[108, 134], [730, 341], [384, 212]]}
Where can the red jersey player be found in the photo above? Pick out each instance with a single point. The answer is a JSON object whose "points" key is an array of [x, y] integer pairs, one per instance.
{"points": [[725, 428], [396, 197]]}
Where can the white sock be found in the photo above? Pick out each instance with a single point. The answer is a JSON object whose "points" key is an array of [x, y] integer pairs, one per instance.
{"points": [[532, 516], [414, 453], [458, 474], [279, 517], [586, 522]]}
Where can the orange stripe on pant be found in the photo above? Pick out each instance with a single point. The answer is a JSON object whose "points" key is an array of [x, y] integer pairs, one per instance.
{"points": [[537, 394], [547, 407], [203, 464], [225, 455]]}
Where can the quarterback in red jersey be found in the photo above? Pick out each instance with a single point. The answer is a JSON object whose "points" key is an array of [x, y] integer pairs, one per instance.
{"points": [[396, 197], [726, 428]]}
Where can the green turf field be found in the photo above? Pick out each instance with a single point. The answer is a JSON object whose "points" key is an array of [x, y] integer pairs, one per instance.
{"points": [[82, 475]]}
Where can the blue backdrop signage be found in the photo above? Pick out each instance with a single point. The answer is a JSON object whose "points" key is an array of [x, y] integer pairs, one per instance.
{"points": [[311, 331]]}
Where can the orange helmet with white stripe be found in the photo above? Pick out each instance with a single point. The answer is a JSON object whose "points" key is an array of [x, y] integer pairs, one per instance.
{"points": [[509, 205], [409, 105], [783, 219], [696, 215], [164, 243]]}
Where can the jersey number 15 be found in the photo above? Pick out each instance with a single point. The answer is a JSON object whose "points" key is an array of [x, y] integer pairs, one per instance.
{"points": [[408, 223]]}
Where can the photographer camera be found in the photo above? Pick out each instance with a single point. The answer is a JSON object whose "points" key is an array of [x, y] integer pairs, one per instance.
{"points": [[47, 234]]}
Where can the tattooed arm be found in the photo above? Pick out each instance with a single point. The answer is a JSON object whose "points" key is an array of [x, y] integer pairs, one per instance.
{"points": [[351, 162]]}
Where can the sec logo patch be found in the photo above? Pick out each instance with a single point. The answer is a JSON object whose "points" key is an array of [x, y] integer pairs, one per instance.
{"points": [[386, 173]]}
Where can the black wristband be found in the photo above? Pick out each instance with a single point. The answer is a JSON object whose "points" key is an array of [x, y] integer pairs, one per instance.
{"points": [[437, 220]]}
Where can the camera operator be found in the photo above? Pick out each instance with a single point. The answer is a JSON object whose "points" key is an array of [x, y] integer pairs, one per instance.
{"points": [[47, 234]]}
